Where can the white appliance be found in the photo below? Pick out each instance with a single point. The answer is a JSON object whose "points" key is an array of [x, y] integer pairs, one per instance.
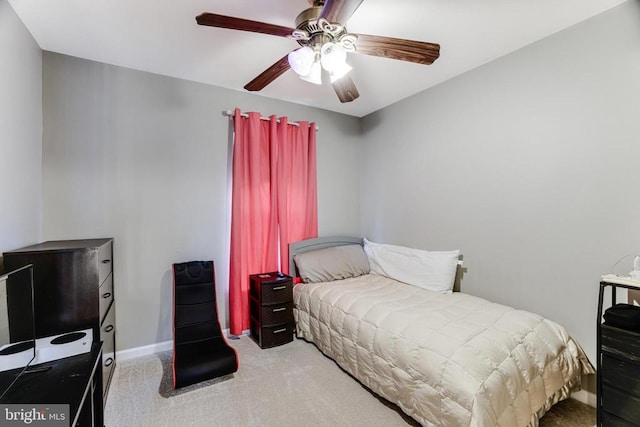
{"points": [[63, 345], [15, 355]]}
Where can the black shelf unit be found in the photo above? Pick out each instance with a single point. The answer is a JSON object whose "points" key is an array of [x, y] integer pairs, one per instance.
{"points": [[75, 381], [618, 368]]}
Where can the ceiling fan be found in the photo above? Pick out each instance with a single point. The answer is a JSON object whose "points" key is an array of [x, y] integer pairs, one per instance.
{"points": [[325, 42]]}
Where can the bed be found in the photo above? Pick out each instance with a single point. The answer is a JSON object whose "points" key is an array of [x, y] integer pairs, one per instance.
{"points": [[444, 358]]}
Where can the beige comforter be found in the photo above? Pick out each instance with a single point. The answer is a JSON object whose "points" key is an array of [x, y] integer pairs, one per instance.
{"points": [[444, 359]]}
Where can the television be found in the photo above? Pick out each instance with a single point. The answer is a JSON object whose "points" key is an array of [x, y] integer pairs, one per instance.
{"points": [[17, 330]]}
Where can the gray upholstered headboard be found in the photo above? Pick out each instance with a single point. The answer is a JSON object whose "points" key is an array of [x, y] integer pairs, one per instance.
{"points": [[318, 243]]}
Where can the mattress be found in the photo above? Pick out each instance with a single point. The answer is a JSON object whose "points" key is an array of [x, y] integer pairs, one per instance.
{"points": [[444, 359]]}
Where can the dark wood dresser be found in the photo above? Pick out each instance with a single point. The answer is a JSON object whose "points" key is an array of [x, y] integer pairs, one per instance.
{"points": [[271, 308], [73, 291]]}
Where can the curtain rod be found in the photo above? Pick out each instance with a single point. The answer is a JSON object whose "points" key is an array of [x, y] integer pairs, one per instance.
{"points": [[229, 114]]}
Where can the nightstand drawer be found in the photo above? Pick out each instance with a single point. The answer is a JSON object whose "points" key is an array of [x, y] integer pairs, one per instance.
{"points": [[269, 315], [277, 293], [272, 336]]}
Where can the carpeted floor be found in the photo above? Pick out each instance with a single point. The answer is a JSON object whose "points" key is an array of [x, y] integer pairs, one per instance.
{"points": [[293, 384]]}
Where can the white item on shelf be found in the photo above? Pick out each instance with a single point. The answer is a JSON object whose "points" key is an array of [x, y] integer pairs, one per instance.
{"points": [[16, 360], [621, 280], [46, 351], [635, 274]]}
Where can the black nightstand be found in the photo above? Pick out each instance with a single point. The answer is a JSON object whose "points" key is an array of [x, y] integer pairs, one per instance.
{"points": [[271, 308]]}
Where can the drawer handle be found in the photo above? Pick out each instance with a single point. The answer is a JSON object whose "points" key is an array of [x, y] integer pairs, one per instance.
{"points": [[106, 261], [108, 328], [106, 295], [275, 310], [108, 362], [279, 288], [277, 331]]}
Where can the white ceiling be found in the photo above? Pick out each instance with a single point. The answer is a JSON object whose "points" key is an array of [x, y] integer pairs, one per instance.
{"points": [[161, 36]]}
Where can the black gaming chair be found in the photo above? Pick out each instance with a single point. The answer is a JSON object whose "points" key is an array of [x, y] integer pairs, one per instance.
{"points": [[200, 351]]}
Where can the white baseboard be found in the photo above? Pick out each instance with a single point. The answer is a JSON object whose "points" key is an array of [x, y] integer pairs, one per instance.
{"points": [[585, 396], [146, 350]]}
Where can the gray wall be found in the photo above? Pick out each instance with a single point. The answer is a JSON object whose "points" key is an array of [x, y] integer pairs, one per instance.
{"points": [[530, 165], [143, 158], [20, 133], [527, 164]]}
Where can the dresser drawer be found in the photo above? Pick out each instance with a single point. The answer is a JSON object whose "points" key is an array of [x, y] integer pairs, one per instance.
{"points": [[108, 338], [105, 261], [620, 341], [272, 336], [277, 292], [620, 403], [106, 296], [621, 374], [269, 315], [610, 420]]}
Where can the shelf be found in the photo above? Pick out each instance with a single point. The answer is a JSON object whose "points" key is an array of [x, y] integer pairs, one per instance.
{"points": [[65, 381], [618, 368]]}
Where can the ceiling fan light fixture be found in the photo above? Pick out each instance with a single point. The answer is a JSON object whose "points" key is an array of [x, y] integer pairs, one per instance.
{"points": [[332, 56], [339, 72], [302, 60], [315, 74]]}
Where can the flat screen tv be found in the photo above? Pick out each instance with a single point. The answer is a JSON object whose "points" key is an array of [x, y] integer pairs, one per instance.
{"points": [[17, 333]]}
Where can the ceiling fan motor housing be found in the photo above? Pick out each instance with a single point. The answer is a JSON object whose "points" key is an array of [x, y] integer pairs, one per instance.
{"points": [[313, 31]]}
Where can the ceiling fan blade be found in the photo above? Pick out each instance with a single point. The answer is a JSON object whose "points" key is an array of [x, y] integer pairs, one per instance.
{"points": [[346, 89], [221, 21], [339, 11], [401, 49], [269, 75]]}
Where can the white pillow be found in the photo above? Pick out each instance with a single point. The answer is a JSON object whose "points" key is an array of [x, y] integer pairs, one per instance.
{"points": [[431, 270]]}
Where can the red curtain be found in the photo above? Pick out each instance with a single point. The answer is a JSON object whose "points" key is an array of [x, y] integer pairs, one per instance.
{"points": [[274, 199], [297, 186]]}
